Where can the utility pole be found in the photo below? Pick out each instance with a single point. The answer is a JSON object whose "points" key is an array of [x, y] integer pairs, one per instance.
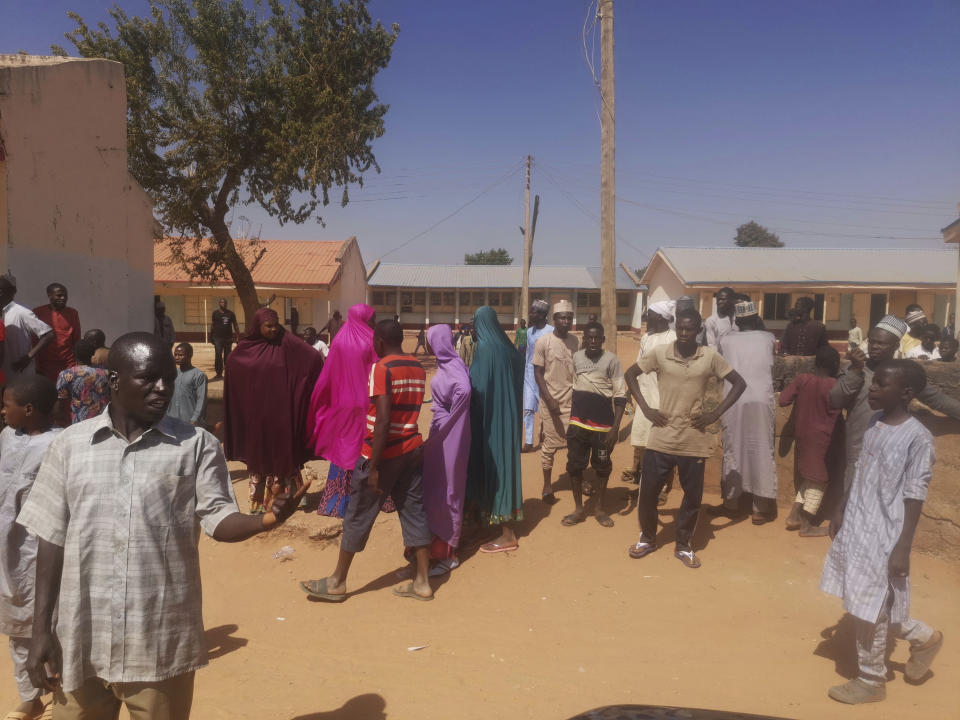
{"points": [[527, 249], [608, 189]]}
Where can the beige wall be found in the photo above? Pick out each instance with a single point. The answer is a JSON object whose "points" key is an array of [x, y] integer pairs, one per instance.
{"points": [[352, 283], [72, 212]]}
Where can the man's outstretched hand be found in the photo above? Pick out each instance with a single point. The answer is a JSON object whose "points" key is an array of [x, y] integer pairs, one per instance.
{"points": [[285, 504]]}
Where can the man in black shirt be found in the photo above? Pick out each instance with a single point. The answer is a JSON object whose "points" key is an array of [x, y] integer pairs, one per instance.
{"points": [[223, 333]]}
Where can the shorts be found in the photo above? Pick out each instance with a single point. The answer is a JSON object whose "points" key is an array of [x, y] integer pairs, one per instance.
{"points": [[588, 446]]}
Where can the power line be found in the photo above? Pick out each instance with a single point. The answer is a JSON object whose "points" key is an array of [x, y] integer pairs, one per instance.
{"points": [[513, 171], [681, 213]]}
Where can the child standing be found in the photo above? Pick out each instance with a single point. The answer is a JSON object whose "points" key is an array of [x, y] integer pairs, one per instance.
{"points": [[599, 397], [28, 405], [84, 388], [816, 421], [868, 564]]}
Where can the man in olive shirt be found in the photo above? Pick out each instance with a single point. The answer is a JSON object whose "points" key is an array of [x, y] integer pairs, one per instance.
{"points": [[678, 438]]}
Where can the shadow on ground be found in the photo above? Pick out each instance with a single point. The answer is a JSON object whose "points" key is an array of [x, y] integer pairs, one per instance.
{"points": [[222, 641], [363, 707]]}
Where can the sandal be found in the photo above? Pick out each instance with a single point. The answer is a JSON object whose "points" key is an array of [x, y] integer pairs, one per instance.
{"points": [[443, 567], [604, 520], [407, 591], [573, 519], [641, 549], [687, 558], [492, 547], [317, 589], [549, 498]]}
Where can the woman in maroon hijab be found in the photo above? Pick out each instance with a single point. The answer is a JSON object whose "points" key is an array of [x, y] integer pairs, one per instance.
{"points": [[270, 376]]}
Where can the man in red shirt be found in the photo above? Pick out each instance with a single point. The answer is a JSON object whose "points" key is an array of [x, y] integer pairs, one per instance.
{"points": [[65, 321], [390, 465]]}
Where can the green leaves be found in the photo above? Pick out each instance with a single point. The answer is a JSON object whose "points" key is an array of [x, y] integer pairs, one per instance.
{"points": [[270, 103], [752, 234], [500, 256]]}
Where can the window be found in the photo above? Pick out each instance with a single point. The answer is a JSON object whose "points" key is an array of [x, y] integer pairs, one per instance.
{"points": [[623, 301], [378, 297], [420, 298], [775, 306], [193, 313], [449, 299], [406, 301], [436, 299], [506, 300], [590, 300], [479, 299], [493, 299], [304, 310]]}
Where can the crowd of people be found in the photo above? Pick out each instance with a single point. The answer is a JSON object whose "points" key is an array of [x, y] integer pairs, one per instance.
{"points": [[106, 463]]}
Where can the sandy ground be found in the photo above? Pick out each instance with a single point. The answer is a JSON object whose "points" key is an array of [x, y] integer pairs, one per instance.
{"points": [[566, 623]]}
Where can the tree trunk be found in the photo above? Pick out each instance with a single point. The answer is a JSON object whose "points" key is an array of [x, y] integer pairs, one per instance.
{"points": [[239, 272]]}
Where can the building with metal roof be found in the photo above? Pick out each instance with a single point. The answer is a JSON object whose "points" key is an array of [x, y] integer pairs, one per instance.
{"points": [[865, 283], [315, 277], [430, 294]]}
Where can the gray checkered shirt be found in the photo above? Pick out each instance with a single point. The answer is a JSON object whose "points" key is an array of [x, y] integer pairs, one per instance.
{"points": [[128, 516]]}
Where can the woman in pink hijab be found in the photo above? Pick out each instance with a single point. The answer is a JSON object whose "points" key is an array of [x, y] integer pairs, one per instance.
{"points": [[337, 421]]}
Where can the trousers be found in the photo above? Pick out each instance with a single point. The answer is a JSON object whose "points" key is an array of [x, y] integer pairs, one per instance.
{"points": [[97, 699], [657, 469], [872, 642]]}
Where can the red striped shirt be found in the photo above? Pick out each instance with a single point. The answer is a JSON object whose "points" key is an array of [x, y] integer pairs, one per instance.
{"points": [[404, 380]]}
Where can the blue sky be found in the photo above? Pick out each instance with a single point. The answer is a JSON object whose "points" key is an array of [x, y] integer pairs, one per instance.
{"points": [[834, 124]]}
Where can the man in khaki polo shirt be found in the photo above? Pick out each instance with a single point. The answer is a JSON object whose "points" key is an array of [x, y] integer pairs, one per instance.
{"points": [[678, 438]]}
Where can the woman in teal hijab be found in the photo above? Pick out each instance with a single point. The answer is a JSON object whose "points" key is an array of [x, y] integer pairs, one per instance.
{"points": [[493, 475]]}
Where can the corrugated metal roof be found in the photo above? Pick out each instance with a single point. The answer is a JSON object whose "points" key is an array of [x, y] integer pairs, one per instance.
{"points": [[285, 262], [492, 276], [860, 266]]}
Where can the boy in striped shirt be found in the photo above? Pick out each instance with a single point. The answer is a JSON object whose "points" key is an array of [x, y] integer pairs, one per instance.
{"points": [[599, 397], [390, 465]]}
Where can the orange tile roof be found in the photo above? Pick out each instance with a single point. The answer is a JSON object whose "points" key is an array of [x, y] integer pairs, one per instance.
{"points": [[285, 262]]}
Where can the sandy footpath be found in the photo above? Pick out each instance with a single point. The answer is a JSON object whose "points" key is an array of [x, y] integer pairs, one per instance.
{"points": [[566, 623]]}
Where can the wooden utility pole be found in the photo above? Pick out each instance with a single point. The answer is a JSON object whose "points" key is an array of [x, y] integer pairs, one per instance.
{"points": [[608, 189], [527, 249]]}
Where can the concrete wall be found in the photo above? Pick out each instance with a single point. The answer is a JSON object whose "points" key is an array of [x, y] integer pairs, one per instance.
{"points": [[71, 212], [352, 282]]}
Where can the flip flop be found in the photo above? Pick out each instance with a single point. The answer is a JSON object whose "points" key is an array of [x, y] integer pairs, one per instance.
{"points": [[16, 715], [317, 589], [641, 549], [549, 498], [492, 547], [443, 567], [573, 519], [47, 711], [604, 520], [407, 591], [688, 558]]}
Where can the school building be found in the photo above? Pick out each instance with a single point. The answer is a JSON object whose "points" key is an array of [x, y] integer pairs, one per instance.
{"points": [[315, 277], [431, 294], [865, 283]]}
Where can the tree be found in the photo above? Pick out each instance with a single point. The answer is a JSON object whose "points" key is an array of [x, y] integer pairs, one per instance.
{"points": [[752, 234], [270, 104], [500, 256]]}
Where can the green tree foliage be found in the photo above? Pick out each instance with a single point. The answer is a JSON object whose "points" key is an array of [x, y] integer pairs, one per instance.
{"points": [[235, 102], [752, 234], [500, 256]]}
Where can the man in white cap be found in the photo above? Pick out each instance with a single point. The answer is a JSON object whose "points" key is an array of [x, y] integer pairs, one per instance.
{"points": [[916, 319], [537, 327], [749, 426], [659, 317], [553, 370], [850, 391]]}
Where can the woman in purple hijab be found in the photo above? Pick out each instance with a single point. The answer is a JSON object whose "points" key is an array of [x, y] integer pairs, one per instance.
{"points": [[447, 450]]}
